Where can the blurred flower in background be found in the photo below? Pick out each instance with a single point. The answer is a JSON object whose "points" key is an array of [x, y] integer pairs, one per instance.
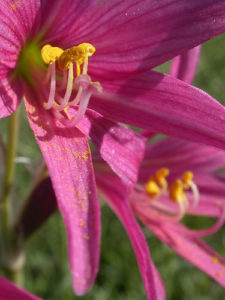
{"points": [[176, 178]]}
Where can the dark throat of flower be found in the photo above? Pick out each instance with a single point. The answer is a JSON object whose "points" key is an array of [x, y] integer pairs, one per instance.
{"points": [[30, 62]]}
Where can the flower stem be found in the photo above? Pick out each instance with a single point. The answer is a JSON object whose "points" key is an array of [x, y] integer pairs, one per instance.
{"points": [[11, 254], [9, 168]]}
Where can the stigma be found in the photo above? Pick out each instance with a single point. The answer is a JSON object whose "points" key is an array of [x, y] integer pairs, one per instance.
{"points": [[63, 62], [157, 185]]}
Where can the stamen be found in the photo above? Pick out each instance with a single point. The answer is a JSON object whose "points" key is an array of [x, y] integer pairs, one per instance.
{"points": [[69, 90], [66, 58], [187, 178], [51, 97], [176, 194], [158, 184], [86, 89], [78, 54], [161, 175], [83, 82], [48, 75], [85, 65], [78, 97], [152, 188], [196, 195], [78, 69], [50, 54]]}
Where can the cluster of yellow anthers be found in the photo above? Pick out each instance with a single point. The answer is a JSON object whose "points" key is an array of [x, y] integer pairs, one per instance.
{"points": [[158, 185], [65, 60]]}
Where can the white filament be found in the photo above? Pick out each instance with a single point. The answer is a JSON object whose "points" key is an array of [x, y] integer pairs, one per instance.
{"points": [[51, 71], [195, 192], [68, 92]]}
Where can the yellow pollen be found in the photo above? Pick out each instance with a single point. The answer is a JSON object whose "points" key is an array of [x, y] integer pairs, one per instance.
{"points": [[176, 192], [78, 54], [50, 54], [187, 178], [219, 273], [161, 175], [152, 188], [158, 183]]}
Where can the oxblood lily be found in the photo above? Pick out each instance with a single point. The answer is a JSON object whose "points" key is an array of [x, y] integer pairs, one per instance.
{"points": [[161, 200], [150, 33]]}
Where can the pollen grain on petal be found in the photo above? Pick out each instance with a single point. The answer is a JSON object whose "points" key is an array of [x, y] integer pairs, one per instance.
{"points": [[215, 259]]}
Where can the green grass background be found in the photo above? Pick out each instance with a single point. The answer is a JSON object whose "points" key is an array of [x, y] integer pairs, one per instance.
{"points": [[46, 270]]}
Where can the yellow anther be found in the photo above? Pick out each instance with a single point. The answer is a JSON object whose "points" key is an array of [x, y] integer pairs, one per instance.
{"points": [[50, 54], [176, 192], [161, 175], [187, 178], [78, 54], [152, 188]]}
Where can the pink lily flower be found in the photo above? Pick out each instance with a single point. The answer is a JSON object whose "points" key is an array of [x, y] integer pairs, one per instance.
{"points": [[48, 55], [165, 193], [9, 291]]}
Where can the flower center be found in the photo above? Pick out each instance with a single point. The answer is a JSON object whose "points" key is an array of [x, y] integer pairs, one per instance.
{"points": [[65, 60], [158, 185], [29, 60]]}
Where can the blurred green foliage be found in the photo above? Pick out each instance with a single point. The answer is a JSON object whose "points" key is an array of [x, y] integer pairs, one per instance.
{"points": [[47, 272]]}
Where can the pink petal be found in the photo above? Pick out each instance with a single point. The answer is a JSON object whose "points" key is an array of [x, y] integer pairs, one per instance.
{"points": [[160, 288], [134, 36], [212, 193], [16, 23], [11, 93], [9, 291], [112, 189], [141, 204], [165, 105], [67, 155], [193, 250], [59, 19], [184, 66], [121, 147], [211, 204], [179, 156]]}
